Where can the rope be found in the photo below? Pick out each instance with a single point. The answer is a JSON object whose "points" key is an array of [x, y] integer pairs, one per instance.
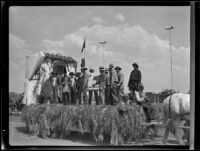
{"points": [[169, 106]]}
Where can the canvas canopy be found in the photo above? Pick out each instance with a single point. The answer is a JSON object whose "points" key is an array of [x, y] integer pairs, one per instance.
{"points": [[32, 64]]}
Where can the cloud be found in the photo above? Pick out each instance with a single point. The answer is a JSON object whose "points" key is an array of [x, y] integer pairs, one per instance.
{"points": [[98, 20], [18, 47], [119, 17], [18, 50], [52, 46], [127, 44]]}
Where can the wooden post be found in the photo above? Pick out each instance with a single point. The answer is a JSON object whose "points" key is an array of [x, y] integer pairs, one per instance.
{"points": [[192, 75]]}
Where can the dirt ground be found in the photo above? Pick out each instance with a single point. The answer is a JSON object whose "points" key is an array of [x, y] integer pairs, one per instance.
{"points": [[18, 137]]}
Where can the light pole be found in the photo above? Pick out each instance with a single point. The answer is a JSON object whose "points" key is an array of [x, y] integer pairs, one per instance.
{"points": [[103, 43], [169, 28]]}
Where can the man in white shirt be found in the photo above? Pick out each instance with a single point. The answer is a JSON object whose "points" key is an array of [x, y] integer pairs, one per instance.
{"points": [[72, 88], [91, 82]]}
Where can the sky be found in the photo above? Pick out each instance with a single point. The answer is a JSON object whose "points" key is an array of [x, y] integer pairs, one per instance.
{"points": [[132, 33]]}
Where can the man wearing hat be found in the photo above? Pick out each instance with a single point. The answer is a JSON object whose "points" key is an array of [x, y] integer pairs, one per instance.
{"points": [[72, 88], [120, 83], [54, 81], [102, 85], [47, 94], [107, 90], [78, 84], [135, 79], [85, 79], [65, 81], [113, 96], [90, 85]]}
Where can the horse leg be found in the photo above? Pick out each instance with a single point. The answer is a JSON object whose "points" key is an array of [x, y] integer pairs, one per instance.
{"points": [[165, 138], [178, 138], [177, 132]]}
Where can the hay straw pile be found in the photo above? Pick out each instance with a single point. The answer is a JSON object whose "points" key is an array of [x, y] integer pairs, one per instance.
{"points": [[122, 123]]}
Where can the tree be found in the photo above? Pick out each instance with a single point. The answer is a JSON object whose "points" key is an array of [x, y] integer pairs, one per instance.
{"points": [[164, 94], [15, 101]]}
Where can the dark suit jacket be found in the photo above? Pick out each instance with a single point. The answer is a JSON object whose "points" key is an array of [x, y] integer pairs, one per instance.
{"points": [[135, 77]]}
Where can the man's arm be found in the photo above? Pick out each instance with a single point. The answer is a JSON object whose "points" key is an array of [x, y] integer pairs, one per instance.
{"points": [[98, 80], [121, 79], [129, 82], [139, 76]]}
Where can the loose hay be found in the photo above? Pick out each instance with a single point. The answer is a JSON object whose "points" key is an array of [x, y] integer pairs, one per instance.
{"points": [[122, 123]]}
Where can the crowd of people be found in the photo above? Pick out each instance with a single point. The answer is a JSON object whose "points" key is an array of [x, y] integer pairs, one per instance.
{"points": [[107, 87]]}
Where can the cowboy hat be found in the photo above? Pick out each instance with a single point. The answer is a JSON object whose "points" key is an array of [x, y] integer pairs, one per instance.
{"points": [[91, 69], [118, 67], [135, 64], [101, 68], [83, 68], [111, 66]]}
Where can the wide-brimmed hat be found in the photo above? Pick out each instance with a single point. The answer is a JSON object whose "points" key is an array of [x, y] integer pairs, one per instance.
{"points": [[135, 64], [101, 68], [91, 69], [111, 66], [118, 67], [83, 68]]}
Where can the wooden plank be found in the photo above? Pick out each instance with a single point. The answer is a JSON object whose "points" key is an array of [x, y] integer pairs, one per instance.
{"points": [[193, 28], [184, 127], [150, 124]]}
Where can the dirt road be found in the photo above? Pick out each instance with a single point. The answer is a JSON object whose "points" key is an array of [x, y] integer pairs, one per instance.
{"points": [[18, 137]]}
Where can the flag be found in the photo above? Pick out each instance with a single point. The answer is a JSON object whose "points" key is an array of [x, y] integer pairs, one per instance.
{"points": [[82, 62], [83, 55]]}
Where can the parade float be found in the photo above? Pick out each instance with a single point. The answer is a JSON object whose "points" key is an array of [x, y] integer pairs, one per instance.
{"points": [[121, 123]]}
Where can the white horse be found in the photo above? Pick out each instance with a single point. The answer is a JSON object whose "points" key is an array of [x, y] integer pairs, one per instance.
{"points": [[172, 113]]}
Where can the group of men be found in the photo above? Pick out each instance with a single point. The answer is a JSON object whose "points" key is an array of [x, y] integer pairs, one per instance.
{"points": [[110, 83], [107, 87]]}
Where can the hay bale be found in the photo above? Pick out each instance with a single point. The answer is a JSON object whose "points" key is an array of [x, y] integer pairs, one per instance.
{"points": [[122, 122]]}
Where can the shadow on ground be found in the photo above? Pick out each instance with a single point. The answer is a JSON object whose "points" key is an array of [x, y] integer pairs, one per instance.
{"points": [[21, 129]]}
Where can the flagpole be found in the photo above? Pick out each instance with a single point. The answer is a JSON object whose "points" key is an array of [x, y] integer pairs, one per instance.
{"points": [[103, 43], [83, 54]]}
